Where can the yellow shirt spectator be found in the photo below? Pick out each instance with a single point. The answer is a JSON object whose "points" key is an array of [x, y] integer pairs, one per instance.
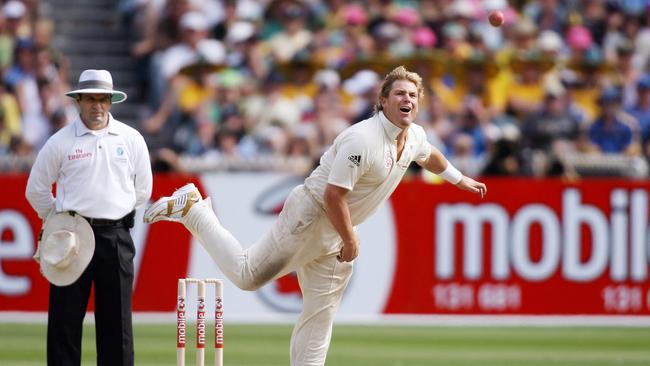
{"points": [[10, 115]]}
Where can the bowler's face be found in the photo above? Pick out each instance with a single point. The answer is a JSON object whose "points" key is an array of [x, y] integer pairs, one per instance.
{"points": [[401, 106], [93, 109]]}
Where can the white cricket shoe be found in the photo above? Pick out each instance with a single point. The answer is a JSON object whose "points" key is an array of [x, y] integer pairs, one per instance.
{"points": [[174, 207]]}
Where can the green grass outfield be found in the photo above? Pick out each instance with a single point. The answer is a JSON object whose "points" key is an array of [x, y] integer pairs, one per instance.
{"points": [[268, 345]]}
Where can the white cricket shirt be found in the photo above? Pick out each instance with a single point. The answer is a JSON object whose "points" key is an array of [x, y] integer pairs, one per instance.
{"points": [[102, 174], [363, 159]]}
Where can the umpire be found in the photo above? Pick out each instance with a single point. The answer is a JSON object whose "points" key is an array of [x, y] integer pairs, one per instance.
{"points": [[102, 173]]}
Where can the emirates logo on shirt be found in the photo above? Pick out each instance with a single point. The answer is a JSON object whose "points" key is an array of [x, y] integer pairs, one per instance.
{"points": [[79, 154], [355, 159]]}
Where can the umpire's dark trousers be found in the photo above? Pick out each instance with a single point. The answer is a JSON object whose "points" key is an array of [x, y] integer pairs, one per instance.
{"points": [[111, 272]]}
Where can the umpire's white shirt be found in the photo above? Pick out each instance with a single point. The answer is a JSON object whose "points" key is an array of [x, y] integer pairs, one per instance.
{"points": [[101, 174], [363, 159]]}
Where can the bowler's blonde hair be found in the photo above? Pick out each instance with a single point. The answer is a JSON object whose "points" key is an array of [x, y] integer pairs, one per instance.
{"points": [[398, 73]]}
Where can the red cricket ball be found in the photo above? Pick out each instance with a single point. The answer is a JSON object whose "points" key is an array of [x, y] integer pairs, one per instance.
{"points": [[496, 18]]}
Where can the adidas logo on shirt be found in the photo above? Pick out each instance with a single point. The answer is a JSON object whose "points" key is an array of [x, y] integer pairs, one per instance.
{"points": [[355, 159]]}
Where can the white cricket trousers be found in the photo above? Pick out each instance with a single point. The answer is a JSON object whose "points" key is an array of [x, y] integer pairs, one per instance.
{"points": [[301, 240]]}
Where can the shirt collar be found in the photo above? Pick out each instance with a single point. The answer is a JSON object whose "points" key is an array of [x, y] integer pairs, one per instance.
{"points": [[391, 130], [81, 129]]}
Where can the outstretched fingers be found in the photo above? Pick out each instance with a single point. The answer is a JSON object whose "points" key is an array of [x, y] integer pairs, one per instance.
{"points": [[473, 186], [481, 189]]}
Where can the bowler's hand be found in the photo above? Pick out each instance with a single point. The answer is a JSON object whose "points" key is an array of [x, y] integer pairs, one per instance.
{"points": [[469, 184], [349, 251]]}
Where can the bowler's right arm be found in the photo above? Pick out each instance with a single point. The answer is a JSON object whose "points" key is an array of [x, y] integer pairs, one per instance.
{"points": [[338, 212]]}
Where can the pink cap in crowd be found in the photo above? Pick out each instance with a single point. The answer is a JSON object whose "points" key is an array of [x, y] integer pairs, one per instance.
{"points": [[579, 38], [424, 37], [355, 15]]}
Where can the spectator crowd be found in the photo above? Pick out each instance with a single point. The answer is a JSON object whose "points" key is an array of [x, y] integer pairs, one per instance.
{"points": [[562, 88], [34, 77]]}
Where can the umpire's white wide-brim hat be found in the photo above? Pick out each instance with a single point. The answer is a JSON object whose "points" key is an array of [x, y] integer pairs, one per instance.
{"points": [[97, 82], [66, 248]]}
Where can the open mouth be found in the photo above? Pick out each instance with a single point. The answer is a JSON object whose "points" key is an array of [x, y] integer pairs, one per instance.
{"points": [[405, 109]]}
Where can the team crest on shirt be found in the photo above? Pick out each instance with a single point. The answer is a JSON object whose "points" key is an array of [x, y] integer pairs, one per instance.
{"points": [[119, 154], [355, 159], [388, 160]]}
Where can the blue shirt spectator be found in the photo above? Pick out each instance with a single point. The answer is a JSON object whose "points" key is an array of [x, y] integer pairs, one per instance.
{"points": [[612, 131], [611, 137], [641, 110], [23, 66]]}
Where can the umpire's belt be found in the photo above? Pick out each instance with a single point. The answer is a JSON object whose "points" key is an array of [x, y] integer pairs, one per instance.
{"points": [[124, 221]]}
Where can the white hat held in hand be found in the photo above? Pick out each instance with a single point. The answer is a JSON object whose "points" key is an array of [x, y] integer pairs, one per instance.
{"points": [[97, 82], [66, 248]]}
